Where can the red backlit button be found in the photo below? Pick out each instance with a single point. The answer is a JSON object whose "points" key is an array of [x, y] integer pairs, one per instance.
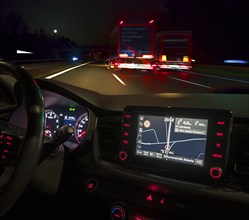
{"points": [[139, 217], [127, 116], [123, 155], [215, 172], [162, 201], [218, 145], [125, 142], [9, 138], [149, 198], [217, 156], [219, 134], [118, 213], [91, 185], [220, 123], [126, 133]]}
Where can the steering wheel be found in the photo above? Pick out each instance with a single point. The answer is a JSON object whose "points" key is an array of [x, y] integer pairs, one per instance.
{"points": [[20, 151]]}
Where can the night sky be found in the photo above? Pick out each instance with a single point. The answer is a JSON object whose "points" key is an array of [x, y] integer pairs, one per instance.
{"points": [[85, 22], [220, 27]]}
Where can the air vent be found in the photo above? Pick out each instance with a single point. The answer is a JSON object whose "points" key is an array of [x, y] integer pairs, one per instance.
{"points": [[109, 130], [241, 153], [242, 156]]}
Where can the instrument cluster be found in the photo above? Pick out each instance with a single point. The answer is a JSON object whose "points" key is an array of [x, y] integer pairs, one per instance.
{"points": [[61, 111]]}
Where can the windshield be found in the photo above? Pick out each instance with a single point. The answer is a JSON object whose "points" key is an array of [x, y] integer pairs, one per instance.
{"points": [[131, 47]]}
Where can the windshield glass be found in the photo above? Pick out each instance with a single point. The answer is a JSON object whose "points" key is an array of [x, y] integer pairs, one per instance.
{"points": [[132, 46]]}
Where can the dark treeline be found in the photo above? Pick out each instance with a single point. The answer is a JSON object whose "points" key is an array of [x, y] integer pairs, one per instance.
{"points": [[15, 36], [220, 31]]}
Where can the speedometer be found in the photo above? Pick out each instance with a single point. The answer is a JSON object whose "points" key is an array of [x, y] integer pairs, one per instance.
{"points": [[81, 127], [51, 123]]}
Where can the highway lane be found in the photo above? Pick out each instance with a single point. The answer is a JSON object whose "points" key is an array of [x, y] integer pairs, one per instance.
{"points": [[97, 77], [43, 69], [221, 82]]}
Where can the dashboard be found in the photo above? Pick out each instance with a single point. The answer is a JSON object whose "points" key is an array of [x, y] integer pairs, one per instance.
{"points": [[144, 158]]}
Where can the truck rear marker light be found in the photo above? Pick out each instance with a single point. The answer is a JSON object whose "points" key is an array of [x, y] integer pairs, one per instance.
{"points": [[164, 58], [185, 59]]}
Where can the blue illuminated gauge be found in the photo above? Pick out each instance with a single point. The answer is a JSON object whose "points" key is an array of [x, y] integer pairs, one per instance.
{"points": [[81, 127], [51, 123]]}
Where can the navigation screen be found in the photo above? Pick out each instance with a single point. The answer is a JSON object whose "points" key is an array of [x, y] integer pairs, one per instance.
{"points": [[171, 138]]}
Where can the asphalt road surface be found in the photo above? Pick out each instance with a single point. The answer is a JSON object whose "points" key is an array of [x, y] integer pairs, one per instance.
{"points": [[96, 76]]}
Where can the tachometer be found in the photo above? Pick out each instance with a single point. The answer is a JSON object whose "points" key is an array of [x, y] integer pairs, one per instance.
{"points": [[81, 127], [51, 123]]}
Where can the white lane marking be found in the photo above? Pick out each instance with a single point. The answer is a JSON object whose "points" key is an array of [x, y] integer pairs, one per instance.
{"points": [[219, 77], [66, 70], [120, 80], [197, 84]]}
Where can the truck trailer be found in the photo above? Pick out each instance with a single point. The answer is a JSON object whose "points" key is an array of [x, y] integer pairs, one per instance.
{"points": [[173, 50], [132, 45]]}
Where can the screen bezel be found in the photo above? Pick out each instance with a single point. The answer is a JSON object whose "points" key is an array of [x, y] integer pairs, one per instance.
{"points": [[177, 169]]}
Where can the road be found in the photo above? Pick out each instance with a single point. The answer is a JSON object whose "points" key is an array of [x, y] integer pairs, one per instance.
{"points": [[95, 75]]}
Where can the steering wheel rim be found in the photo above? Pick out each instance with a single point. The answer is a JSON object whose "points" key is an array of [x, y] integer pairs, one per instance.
{"points": [[33, 141]]}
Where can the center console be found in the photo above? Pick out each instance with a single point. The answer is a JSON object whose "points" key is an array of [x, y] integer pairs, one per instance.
{"points": [[189, 144]]}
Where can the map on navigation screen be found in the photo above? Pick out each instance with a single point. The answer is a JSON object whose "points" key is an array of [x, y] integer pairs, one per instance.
{"points": [[172, 138]]}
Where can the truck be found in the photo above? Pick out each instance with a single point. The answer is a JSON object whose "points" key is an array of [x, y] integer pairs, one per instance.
{"points": [[132, 45], [173, 50]]}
